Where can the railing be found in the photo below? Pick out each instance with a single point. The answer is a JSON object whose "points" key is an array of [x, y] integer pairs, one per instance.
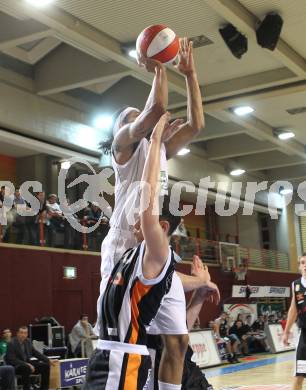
{"points": [[208, 250]]}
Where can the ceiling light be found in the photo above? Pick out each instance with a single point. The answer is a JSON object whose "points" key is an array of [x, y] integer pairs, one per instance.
{"points": [[286, 135], [285, 191], [133, 53], [103, 122], [39, 3], [237, 172], [243, 110], [65, 164], [183, 151]]}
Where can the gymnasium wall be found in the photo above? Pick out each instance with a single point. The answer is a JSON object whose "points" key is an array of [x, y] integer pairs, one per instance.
{"points": [[8, 168], [34, 286]]}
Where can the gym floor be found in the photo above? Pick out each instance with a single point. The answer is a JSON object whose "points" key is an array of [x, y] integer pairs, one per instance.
{"points": [[259, 372]]}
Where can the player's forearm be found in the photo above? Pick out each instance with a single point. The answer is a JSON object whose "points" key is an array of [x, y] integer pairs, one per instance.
{"points": [[194, 307], [291, 318], [150, 183], [195, 114], [158, 97], [190, 282]]}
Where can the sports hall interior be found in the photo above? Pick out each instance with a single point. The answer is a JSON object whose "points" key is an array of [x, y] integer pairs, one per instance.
{"points": [[65, 69]]}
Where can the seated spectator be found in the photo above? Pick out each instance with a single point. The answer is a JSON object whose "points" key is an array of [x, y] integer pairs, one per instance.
{"points": [[5, 339], [20, 353], [92, 216], [223, 333], [259, 324], [256, 330], [82, 332], [7, 377], [242, 332], [272, 319]]}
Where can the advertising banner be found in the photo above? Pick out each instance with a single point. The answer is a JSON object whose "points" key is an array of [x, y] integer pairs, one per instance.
{"points": [[205, 348], [73, 372], [261, 291]]}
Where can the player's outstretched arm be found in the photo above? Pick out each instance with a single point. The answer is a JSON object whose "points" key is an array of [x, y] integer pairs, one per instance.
{"points": [[155, 106], [157, 246], [195, 116], [291, 318]]}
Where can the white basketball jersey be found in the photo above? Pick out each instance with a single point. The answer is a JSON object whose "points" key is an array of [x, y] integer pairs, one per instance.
{"points": [[127, 190]]}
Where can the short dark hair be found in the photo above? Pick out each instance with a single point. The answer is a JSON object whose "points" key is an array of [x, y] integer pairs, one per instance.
{"points": [[83, 315], [22, 327], [106, 145], [166, 215]]}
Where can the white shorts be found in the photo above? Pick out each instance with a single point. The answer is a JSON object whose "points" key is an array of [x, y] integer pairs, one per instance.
{"points": [[171, 317]]}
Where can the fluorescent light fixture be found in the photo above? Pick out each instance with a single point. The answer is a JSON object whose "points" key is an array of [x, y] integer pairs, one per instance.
{"points": [[65, 164], [286, 191], [133, 53], [70, 272], [237, 172], [286, 135], [103, 122], [39, 3], [183, 152], [243, 110]]}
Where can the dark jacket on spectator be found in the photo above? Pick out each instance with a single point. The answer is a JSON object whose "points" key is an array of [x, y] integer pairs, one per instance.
{"points": [[16, 357]]}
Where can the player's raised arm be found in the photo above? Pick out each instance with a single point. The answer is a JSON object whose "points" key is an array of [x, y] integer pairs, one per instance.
{"points": [[155, 106], [195, 116], [156, 241]]}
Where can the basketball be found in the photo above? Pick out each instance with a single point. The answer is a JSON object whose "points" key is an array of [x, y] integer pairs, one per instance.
{"points": [[158, 42]]}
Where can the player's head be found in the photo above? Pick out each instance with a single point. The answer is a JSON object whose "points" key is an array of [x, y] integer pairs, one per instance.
{"points": [[121, 117], [302, 264], [167, 220]]}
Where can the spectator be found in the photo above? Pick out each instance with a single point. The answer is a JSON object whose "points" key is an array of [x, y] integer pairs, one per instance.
{"points": [[7, 377], [242, 332], [223, 334], [6, 338], [257, 331], [272, 319], [55, 217], [259, 324], [19, 220], [38, 221], [82, 332], [20, 353], [96, 237]]}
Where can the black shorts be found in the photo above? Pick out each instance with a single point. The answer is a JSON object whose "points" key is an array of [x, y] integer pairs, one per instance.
{"points": [[300, 364], [114, 370]]}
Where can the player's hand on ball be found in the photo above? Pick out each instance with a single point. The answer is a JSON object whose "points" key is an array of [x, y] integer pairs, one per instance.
{"points": [[150, 64], [185, 63]]}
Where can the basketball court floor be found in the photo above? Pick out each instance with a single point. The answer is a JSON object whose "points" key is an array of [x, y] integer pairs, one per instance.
{"points": [[261, 372]]}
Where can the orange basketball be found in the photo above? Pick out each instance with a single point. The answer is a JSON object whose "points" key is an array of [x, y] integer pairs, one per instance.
{"points": [[158, 42]]}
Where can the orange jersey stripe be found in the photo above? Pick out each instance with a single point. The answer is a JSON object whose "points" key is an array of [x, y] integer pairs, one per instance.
{"points": [[132, 369], [139, 291]]}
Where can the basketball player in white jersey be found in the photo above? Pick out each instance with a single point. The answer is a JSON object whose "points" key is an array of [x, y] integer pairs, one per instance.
{"points": [[129, 150], [135, 289]]}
